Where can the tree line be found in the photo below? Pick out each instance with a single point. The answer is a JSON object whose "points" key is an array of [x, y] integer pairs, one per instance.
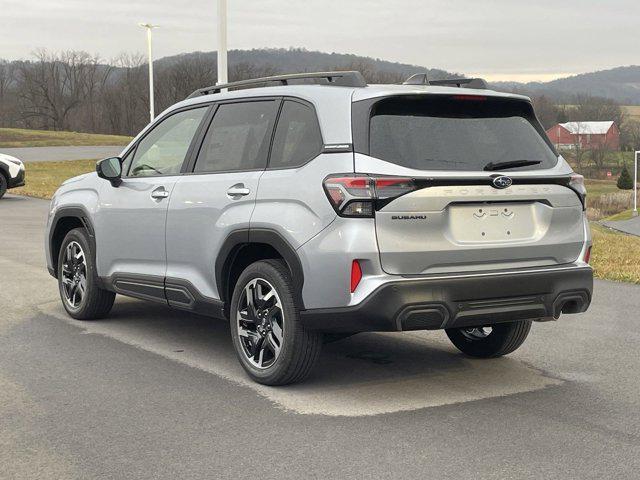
{"points": [[76, 91]]}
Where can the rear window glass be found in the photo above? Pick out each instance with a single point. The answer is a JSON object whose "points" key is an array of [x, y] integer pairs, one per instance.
{"points": [[297, 139], [238, 137], [457, 133]]}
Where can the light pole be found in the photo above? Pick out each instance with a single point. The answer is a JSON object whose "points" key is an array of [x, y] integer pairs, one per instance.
{"points": [[150, 27], [635, 184], [222, 42]]}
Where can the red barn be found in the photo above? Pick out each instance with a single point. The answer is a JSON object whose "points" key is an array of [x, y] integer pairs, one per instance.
{"points": [[588, 135]]}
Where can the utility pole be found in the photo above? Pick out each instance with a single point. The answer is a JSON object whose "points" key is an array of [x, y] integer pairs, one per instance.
{"points": [[222, 42], [150, 27], [635, 184]]}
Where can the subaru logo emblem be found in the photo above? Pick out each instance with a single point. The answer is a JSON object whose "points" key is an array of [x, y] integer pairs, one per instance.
{"points": [[502, 182]]}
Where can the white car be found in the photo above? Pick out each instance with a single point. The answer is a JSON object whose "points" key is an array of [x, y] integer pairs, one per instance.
{"points": [[11, 173]]}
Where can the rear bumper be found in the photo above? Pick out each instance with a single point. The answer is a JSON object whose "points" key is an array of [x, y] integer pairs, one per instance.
{"points": [[461, 301], [17, 181]]}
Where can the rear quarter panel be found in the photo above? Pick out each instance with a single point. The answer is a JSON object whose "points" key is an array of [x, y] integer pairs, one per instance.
{"points": [[293, 202]]}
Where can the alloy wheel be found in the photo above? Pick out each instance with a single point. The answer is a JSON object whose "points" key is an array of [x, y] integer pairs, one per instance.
{"points": [[74, 275], [260, 323], [476, 333]]}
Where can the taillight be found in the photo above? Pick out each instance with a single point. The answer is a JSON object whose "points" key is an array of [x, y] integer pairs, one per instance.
{"points": [[356, 275], [358, 195], [587, 255], [576, 183], [470, 98]]}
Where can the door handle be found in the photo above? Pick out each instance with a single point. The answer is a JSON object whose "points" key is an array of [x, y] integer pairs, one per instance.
{"points": [[159, 193], [238, 190]]}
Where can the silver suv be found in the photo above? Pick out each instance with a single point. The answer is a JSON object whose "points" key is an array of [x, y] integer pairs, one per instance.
{"points": [[321, 206]]}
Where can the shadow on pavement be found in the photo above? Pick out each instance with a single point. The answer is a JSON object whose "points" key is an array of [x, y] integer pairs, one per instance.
{"points": [[366, 374]]}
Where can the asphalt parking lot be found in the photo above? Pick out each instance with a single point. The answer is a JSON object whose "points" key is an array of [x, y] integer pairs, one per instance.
{"points": [[155, 393]]}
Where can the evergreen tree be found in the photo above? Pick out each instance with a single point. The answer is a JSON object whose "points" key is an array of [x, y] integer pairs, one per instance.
{"points": [[624, 180]]}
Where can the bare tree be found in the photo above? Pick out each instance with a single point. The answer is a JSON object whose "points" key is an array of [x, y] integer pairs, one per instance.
{"points": [[7, 98], [177, 81], [594, 109], [53, 86], [630, 132], [577, 145], [125, 97], [546, 111], [599, 154]]}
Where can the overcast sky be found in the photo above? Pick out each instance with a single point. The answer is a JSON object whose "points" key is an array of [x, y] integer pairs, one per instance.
{"points": [[498, 39]]}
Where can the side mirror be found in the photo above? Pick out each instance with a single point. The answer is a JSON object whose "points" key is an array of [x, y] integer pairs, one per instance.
{"points": [[110, 169]]}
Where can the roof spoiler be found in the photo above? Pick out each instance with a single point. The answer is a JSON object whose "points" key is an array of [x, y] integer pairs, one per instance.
{"points": [[337, 79], [421, 79]]}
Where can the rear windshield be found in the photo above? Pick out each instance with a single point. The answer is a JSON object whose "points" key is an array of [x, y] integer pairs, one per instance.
{"points": [[458, 132]]}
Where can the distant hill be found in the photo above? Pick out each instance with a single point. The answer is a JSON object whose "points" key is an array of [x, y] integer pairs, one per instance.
{"points": [[621, 84], [295, 60]]}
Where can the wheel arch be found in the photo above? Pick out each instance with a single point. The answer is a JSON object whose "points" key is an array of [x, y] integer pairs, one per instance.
{"points": [[243, 247], [65, 220]]}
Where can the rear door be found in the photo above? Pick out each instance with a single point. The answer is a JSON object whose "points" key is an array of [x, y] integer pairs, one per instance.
{"points": [[217, 195], [458, 218]]}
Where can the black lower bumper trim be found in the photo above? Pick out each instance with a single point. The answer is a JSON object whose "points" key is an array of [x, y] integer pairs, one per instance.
{"points": [[17, 181], [431, 304]]}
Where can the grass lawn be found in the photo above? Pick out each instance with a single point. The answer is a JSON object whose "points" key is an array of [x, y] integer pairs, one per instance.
{"points": [[596, 188], [626, 215], [19, 137], [614, 255], [44, 178]]}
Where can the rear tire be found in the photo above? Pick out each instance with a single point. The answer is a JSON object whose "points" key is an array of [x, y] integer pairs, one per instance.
{"points": [[3, 185], [78, 283], [502, 339], [271, 343]]}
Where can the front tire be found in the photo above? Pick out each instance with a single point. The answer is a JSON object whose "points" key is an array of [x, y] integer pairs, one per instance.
{"points": [[81, 296], [490, 342], [272, 345]]}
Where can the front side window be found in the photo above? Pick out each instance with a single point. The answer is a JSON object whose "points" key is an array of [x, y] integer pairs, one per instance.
{"points": [[163, 150], [458, 132], [297, 139], [238, 137]]}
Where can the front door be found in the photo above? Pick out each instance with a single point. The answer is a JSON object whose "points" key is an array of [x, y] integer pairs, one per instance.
{"points": [[131, 218]]}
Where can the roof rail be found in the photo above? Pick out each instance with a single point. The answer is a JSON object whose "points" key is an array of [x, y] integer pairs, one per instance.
{"points": [[337, 79], [421, 79]]}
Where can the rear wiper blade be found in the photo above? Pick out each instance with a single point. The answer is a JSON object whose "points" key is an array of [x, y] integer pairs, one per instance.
{"points": [[511, 164]]}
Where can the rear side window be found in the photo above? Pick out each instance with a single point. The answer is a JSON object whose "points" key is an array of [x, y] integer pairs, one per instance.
{"points": [[297, 139], [457, 132], [238, 137]]}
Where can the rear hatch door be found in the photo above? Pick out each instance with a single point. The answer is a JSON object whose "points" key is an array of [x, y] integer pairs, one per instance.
{"points": [[459, 218]]}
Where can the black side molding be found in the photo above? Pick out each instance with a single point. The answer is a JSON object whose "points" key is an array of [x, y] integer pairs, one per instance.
{"points": [[174, 292]]}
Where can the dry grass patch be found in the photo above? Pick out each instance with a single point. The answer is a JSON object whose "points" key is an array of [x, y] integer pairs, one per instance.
{"points": [[20, 137], [608, 204], [615, 256], [44, 178], [632, 111]]}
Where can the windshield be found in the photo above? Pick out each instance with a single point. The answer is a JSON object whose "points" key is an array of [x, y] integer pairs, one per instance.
{"points": [[459, 132]]}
